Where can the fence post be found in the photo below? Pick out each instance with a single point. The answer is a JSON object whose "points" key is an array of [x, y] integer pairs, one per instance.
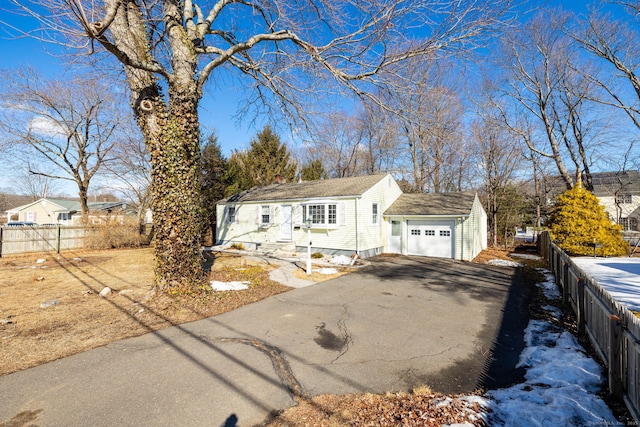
{"points": [[615, 348], [566, 288], [581, 307], [1, 240], [58, 236]]}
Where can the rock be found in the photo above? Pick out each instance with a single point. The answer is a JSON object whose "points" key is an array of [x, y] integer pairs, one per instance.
{"points": [[40, 261], [49, 303], [106, 291], [39, 278]]}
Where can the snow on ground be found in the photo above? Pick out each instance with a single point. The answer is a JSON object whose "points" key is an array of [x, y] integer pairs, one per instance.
{"points": [[504, 263], [326, 270], [229, 286], [340, 260], [619, 276], [561, 381]]}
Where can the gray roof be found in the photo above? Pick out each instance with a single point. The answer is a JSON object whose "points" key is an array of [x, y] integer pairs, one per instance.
{"points": [[336, 187], [610, 183], [432, 204]]}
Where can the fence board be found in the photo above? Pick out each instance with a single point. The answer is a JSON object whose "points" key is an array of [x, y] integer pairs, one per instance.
{"points": [[596, 310], [20, 240]]}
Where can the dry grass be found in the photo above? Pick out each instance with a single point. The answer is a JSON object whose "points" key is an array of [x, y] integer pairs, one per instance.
{"points": [[77, 318]]}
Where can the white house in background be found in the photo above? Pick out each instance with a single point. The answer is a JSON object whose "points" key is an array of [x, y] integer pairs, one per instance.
{"points": [[619, 193], [67, 212], [364, 215]]}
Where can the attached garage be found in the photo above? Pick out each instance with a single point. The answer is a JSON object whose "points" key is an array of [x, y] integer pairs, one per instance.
{"points": [[430, 238], [444, 225]]}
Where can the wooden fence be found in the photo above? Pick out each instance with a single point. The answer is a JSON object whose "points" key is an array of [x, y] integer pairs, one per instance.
{"points": [[613, 330], [26, 239]]}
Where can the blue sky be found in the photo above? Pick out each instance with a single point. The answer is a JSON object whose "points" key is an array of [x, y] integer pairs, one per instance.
{"points": [[218, 107]]}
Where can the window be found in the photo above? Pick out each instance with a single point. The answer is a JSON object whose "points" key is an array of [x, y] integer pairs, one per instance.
{"points": [[31, 216], [623, 198], [332, 214], [321, 214], [374, 214], [445, 233], [429, 232], [231, 214], [265, 216], [629, 223], [396, 228], [415, 232]]}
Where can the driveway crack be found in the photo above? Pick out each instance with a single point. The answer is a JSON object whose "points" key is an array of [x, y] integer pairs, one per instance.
{"points": [[279, 362]]}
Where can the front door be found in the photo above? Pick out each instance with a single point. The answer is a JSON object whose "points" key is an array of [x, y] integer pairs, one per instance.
{"points": [[286, 222]]}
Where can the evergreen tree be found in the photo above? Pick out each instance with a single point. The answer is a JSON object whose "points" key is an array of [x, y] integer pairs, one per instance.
{"points": [[259, 165], [578, 221], [213, 181], [313, 171]]}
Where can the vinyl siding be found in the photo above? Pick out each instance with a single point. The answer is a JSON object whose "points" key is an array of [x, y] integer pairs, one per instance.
{"points": [[354, 216]]}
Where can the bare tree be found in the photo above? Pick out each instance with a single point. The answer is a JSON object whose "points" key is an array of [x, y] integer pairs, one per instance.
{"points": [[129, 173], [499, 157], [543, 80], [170, 49], [617, 43], [37, 186], [71, 124], [428, 110]]}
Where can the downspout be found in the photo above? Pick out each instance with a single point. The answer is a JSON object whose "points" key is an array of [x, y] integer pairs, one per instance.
{"points": [[357, 202], [461, 223]]}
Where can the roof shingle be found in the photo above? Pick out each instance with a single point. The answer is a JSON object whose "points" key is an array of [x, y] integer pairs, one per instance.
{"points": [[433, 204], [336, 187]]}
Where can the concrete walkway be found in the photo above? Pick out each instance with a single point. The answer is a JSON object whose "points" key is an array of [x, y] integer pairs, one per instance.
{"points": [[397, 324]]}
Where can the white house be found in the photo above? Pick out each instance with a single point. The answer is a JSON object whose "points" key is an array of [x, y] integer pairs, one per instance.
{"points": [[67, 212], [619, 193], [364, 215]]}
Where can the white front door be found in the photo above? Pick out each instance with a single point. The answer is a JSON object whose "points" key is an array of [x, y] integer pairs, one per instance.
{"points": [[286, 222]]}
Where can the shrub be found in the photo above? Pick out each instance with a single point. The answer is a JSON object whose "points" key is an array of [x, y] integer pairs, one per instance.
{"points": [[317, 255], [114, 235], [578, 221], [238, 246]]}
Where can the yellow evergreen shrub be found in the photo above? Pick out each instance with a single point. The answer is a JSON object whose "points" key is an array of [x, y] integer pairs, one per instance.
{"points": [[578, 222]]}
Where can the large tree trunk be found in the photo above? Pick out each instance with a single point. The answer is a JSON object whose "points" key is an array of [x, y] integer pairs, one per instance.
{"points": [[171, 132], [176, 196]]}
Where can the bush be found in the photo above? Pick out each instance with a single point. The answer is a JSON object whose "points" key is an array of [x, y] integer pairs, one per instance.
{"points": [[115, 235], [237, 246], [317, 255], [578, 222]]}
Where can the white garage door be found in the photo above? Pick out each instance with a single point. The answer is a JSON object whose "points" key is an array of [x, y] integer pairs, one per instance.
{"points": [[430, 238]]}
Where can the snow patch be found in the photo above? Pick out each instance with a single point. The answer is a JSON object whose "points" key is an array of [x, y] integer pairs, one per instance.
{"points": [[229, 286], [525, 256], [504, 263], [340, 260], [326, 270]]}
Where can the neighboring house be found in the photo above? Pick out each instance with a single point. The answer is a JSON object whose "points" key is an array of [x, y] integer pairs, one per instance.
{"points": [[67, 212], [364, 215], [619, 193]]}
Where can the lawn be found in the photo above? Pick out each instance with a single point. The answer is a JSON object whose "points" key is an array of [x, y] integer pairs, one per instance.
{"points": [[50, 304]]}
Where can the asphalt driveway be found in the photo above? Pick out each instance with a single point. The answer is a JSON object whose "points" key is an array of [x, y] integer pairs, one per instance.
{"points": [[392, 326]]}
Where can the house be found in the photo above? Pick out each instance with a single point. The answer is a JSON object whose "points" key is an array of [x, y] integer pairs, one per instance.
{"points": [[67, 212], [619, 193], [365, 215]]}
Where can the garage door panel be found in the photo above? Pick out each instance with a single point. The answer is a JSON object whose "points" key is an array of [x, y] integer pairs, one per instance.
{"points": [[430, 238]]}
